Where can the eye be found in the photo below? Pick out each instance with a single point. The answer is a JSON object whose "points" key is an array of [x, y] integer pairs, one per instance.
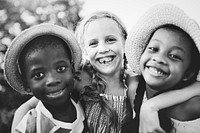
{"points": [[152, 49], [38, 75], [110, 40], [175, 57], [61, 69], [93, 43]]}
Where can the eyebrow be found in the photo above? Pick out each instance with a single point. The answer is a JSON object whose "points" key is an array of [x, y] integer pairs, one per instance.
{"points": [[63, 61], [154, 39], [36, 68], [179, 48], [174, 47]]}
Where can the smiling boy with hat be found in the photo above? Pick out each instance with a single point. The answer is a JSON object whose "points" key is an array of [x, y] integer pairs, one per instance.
{"points": [[42, 61]]}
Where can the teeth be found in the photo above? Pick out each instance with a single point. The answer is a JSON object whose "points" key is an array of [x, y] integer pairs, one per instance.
{"points": [[105, 60], [55, 93], [153, 69]]}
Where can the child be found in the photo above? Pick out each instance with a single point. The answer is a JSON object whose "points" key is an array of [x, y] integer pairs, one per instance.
{"points": [[42, 61], [164, 48], [102, 37]]}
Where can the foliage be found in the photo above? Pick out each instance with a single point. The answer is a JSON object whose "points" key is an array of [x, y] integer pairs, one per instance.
{"points": [[15, 16]]}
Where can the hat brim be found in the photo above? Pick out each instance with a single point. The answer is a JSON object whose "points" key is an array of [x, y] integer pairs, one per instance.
{"points": [[11, 68], [155, 17]]}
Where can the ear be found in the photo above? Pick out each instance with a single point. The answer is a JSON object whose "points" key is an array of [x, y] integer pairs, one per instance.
{"points": [[28, 90], [77, 75], [26, 87], [188, 75]]}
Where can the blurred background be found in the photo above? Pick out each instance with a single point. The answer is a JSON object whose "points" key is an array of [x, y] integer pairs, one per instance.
{"points": [[17, 15]]}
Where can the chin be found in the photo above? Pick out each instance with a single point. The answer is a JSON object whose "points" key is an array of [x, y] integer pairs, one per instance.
{"points": [[108, 71]]}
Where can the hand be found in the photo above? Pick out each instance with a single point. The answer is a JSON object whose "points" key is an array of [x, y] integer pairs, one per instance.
{"points": [[149, 121]]}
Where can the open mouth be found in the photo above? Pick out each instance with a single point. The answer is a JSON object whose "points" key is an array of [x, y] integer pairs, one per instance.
{"points": [[55, 93], [105, 60], [157, 71]]}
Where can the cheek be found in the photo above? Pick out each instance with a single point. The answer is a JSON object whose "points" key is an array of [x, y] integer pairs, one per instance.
{"points": [[121, 49], [121, 55], [142, 59], [37, 90], [90, 53], [119, 45], [34, 85], [69, 81], [68, 77], [179, 68], [178, 71], [117, 49]]}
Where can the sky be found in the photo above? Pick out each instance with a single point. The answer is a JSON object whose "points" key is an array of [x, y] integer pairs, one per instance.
{"points": [[129, 11]]}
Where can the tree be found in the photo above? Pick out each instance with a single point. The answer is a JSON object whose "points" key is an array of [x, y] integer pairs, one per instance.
{"points": [[15, 16]]}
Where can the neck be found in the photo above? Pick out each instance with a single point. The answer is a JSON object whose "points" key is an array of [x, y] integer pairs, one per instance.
{"points": [[114, 85], [64, 112], [150, 92]]}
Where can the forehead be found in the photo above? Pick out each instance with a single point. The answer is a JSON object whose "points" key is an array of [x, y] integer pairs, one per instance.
{"points": [[102, 26], [44, 42], [49, 52], [173, 38]]}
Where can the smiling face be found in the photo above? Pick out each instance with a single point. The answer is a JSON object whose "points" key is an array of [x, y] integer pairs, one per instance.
{"points": [[104, 45], [49, 75], [166, 59]]}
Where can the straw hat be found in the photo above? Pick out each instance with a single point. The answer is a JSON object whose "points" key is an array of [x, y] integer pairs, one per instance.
{"points": [[11, 67], [156, 16]]}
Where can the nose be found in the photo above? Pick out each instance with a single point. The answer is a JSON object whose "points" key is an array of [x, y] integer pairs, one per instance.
{"points": [[103, 48], [52, 80], [159, 59]]}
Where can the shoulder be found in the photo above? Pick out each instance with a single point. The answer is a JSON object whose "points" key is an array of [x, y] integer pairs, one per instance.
{"points": [[28, 122]]}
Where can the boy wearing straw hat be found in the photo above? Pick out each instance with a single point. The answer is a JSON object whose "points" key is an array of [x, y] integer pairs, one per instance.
{"points": [[164, 48], [42, 61]]}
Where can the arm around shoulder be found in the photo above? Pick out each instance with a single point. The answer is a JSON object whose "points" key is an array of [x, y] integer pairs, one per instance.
{"points": [[149, 109], [174, 97]]}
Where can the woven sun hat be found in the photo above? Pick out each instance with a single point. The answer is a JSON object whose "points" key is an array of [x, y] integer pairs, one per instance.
{"points": [[155, 17], [11, 68]]}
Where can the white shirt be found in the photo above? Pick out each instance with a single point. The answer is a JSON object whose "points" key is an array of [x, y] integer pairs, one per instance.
{"points": [[192, 126], [45, 123]]}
